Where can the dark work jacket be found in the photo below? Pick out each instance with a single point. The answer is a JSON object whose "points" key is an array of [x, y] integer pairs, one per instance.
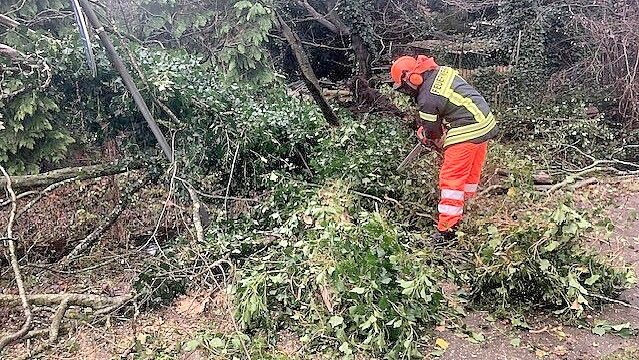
{"points": [[446, 99]]}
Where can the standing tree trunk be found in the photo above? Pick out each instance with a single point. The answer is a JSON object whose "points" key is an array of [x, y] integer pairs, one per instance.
{"points": [[312, 83], [361, 56]]}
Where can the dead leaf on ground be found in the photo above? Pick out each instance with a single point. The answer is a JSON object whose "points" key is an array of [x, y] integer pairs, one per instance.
{"points": [[541, 353], [560, 350], [441, 343], [191, 305], [327, 297]]}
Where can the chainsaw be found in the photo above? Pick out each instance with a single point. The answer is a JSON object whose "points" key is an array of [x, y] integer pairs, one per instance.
{"points": [[414, 154]]}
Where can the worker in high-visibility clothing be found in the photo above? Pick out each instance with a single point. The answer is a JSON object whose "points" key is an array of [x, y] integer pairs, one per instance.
{"points": [[457, 118]]}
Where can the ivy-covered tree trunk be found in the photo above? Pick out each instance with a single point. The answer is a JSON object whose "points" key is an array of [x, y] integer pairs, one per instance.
{"points": [[312, 83]]}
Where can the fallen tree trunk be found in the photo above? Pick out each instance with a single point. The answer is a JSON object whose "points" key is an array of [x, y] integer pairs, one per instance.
{"points": [[81, 173], [72, 299], [539, 178]]}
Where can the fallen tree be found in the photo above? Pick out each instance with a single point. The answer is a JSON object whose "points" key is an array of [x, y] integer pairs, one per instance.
{"points": [[80, 172]]}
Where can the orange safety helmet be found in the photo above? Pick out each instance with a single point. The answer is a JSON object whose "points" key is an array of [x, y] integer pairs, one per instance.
{"points": [[411, 69]]}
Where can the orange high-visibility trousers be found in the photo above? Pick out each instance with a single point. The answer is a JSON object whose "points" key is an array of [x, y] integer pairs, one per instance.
{"points": [[458, 180]]}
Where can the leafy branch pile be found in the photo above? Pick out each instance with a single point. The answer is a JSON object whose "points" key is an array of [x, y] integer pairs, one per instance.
{"points": [[543, 263], [336, 271], [353, 275]]}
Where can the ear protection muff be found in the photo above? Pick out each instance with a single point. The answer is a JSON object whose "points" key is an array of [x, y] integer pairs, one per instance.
{"points": [[415, 79]]}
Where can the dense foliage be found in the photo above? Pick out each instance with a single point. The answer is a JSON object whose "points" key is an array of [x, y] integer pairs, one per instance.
{"points": [[315, 228]]}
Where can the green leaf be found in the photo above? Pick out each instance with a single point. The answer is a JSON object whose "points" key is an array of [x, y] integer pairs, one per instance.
{"points": [[437, 352], [515, 342], [478, 337], [358, 290], [544, 264], [216, 342], [593, 279], [599, 330], [191, 345], [620, 326], [336, 321], [552, 246], [345, 348]]}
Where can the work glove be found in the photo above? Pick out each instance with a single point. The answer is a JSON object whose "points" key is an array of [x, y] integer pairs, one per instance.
{"points": [[430, 138]]}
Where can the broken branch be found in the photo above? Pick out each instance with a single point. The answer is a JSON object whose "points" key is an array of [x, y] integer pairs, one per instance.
{"points": [[73, 299], [6, 340], [110, 219]]}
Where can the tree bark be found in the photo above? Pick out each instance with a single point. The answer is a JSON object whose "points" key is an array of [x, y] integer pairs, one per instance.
{"points": [[361, 56], [81, 172], [7, 21], [9, 52], [333, 23], [312, 83]]}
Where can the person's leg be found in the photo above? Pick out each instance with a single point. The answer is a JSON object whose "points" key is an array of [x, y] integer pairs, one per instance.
{"points": [[472, 183], [458, 161]]}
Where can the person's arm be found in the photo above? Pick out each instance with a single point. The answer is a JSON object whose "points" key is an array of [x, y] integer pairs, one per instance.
{"points": [[430, 126], [430, 129]]}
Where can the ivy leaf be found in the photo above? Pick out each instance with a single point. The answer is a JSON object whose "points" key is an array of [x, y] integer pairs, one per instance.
{"points": [[551, 246], [336, 321], [593, 279], [345, 348], [358, 290]]}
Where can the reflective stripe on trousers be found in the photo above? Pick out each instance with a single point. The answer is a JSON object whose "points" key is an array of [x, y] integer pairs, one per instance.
{"points": [[458, 180]]}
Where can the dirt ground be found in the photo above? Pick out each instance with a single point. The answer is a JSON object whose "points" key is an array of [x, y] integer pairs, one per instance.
{"points": [[164, 330]]}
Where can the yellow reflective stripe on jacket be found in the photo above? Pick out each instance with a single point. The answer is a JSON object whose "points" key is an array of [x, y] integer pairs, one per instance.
{"points": [[443, 81], [443, 86], [470, 132], [468, 104], [428, 117]]}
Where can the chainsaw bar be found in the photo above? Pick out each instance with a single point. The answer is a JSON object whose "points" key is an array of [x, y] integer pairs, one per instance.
{"points": [[417, 150]]}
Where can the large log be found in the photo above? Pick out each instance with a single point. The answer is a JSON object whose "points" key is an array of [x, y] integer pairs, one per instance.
{"points": [[54, 176]]}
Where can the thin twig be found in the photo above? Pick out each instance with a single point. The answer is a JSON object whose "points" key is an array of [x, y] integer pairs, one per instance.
{"points": [[6, 340], [44, 192], [622, 303], [19, 196], [228, 185], [106, 224]]}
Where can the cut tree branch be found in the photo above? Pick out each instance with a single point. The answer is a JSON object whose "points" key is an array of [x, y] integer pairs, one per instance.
{"points": [[8, 22], [72, 299], [319, 17], [9, 52]]}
